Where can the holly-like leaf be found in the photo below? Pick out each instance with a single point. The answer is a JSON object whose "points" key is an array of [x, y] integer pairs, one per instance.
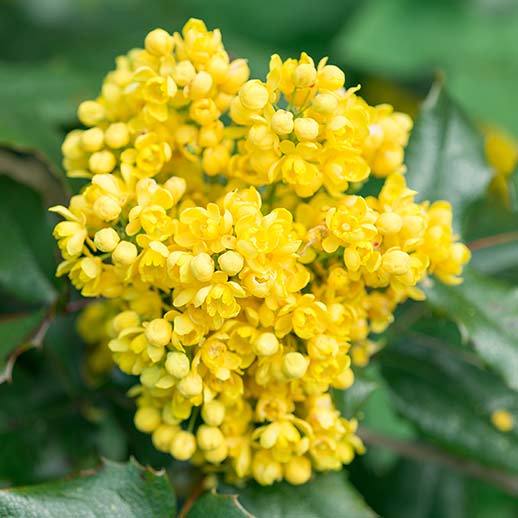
{"points": [[218, 505], [486, 311], [27, 263], [328, 495], [513, 191], [122, 490], [473, 42], [445, 155], [17, 333], [451, 400]]}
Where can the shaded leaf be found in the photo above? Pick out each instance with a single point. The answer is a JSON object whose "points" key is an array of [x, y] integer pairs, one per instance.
{"points": [[451, 400], [353, 400], [17, 332], [513, 191], [487, 312], [27, 262], [217, 505], [492, 232], [473, 42], [445, 155], [327, 495], [124, 490]]}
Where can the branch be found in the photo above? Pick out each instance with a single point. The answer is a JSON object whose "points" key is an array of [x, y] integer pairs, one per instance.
{"points": [[497, 239], [197, 491], [424, 452]]}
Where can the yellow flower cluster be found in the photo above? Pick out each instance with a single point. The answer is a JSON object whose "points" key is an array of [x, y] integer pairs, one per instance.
{"points": [[302, 127], [502, 155], [245, 276]]}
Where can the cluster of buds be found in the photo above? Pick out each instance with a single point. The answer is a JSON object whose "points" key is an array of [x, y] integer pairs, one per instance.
{"points": [[242, 275]]}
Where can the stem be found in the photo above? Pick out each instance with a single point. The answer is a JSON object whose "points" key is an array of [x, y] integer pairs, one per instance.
{"points": [[424, 452], [192, 421], [497, 239], [195, 494], [271, 195], [76, 305]]}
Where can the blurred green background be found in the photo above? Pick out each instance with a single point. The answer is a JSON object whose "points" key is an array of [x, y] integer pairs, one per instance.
{"points": [[54, 53]]}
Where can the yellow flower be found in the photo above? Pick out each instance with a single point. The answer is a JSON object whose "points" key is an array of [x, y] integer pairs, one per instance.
{"points": [[204, 229]]}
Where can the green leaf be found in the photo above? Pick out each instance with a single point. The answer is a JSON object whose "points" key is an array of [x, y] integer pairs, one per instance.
{"points": [[354, 399], [486, 311], [492, 232], [379, 414], [35, 101], [27, 264], [16, 333], [123, 490], [473, 42], [445, 155], [513, 191], [451, 400], [218, 505], [328, 495]]}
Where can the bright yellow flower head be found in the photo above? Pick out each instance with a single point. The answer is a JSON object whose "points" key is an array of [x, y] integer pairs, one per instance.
{"points": [[243, 274]]}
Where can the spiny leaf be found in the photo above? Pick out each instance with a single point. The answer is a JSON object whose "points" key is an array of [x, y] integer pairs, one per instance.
{"points": [[122, 490]]}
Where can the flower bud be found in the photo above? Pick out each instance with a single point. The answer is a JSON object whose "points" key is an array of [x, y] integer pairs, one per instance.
{"points": [[396, 262], [177, 187], [215, 159], [254, 95], [159, 42], [502, 420], [266, 344], [190, 386], [183, 445], [147, 419], [304, 75], [209, 437], [184, 73], [325, 103], [125, 253], [294, 365], [200, 85], [265, 469], [177, 364], [102, 162], [331, 78], [124, 320], [91, 113], [269, 437], [218, 67], [158, 332], [218, 454], [106, 239], [213, 412], [344, 380], [163, 437], [237, 73], [106, 208], [306, 128], [117, 135], [231, 262], [389, 223], [282, 122], [92, 139], [261, 137], [297, 470], [202, 267]]}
